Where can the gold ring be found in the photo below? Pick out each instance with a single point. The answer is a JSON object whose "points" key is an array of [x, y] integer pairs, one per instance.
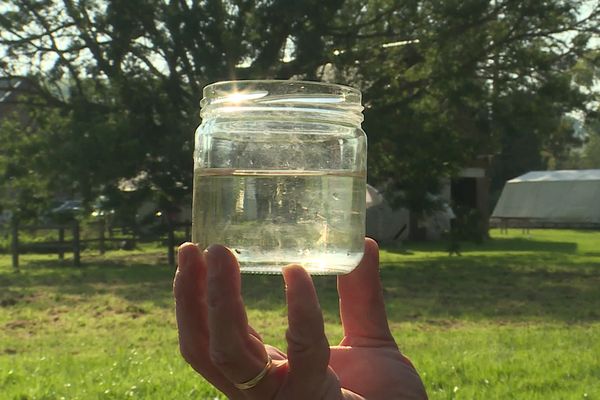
{"points": [[254, 381]]}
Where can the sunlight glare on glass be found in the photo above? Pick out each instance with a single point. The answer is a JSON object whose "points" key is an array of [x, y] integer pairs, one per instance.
{"points": [[238, 97]]}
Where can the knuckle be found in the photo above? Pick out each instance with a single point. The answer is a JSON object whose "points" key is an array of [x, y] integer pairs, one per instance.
{"points": [[213, 300], [224, 359], [296, 343], [309, 330], [188, 354], [307, 344]]}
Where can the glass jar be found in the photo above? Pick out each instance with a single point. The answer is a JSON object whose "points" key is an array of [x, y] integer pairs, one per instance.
{"points": [[280, 175]]}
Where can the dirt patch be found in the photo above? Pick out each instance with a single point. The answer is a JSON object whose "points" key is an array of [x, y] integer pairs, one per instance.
{"points": [[443, 323], [19, 324], [57, 311], [133, 311], [7, 302], [10, 298], [429, 324]]}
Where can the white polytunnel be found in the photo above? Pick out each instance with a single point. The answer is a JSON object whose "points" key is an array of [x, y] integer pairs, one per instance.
{"points": [[567, 197]]}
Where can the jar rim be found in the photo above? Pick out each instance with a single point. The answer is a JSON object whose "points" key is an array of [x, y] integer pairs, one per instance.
{"points": [[274, 95], [280, 81]]}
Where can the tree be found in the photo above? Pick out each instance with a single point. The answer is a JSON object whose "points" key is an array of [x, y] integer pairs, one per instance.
{"points": [[459, 79], [125, 77], [586, 156], [586, 73], [591, 153], [443, 80], [23, 187]]}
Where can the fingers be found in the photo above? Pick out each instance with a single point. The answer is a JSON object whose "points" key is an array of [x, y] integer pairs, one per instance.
{"points": [[308, 349], [233, 348], [189, 288], [362, 307]]}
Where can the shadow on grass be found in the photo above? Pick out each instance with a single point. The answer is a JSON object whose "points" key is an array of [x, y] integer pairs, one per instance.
{"points": [[530, 245], [512, 279], [500, 288], [509, 245], [531, 281], [135, 277], [550, 285]]}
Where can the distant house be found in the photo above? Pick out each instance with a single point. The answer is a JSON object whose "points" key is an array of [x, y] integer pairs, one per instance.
{"points": [[15, 104], [8, 90], [468, 190], [11, 91], [384, 223], [11, 95]]}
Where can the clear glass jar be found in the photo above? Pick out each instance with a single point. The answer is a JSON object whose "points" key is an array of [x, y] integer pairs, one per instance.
{"points": [[280, 175]]}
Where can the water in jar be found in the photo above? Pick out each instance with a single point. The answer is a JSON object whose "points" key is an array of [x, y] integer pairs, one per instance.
{"points": [[271, 218]]}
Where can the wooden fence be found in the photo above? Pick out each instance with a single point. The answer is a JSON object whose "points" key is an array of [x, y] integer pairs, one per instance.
{"points": [[76, 243]]}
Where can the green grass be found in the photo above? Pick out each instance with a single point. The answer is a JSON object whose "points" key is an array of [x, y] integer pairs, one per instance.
{"points": [[515, 318]]}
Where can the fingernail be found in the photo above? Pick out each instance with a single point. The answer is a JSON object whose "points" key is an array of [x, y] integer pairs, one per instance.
{"points": [[182, 256], [290, 270], [214, 258]]}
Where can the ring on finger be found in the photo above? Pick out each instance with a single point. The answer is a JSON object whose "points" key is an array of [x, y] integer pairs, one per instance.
{"points": [[254, 381]]}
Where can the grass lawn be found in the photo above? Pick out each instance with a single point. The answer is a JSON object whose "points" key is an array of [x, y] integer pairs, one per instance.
{"points": [[515, 318]]}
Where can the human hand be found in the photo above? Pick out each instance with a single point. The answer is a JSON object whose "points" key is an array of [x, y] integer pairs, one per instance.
{"points": [[216, 340]]}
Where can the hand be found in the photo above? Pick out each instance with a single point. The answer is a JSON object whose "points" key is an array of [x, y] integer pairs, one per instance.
{"points": [[216, 340]]}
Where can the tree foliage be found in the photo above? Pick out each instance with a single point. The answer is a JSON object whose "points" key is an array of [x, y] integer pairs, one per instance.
{"points": [[469, 79], [444, 81]]}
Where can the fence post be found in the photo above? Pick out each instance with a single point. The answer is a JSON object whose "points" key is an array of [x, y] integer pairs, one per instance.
{"points": [[134, 229], [61, 243], [15, 243], [171, 244], [101, 239], [76, 245]]}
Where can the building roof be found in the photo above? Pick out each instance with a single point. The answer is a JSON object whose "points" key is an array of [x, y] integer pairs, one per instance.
{"points": [[561, 175], [567, 198]]}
